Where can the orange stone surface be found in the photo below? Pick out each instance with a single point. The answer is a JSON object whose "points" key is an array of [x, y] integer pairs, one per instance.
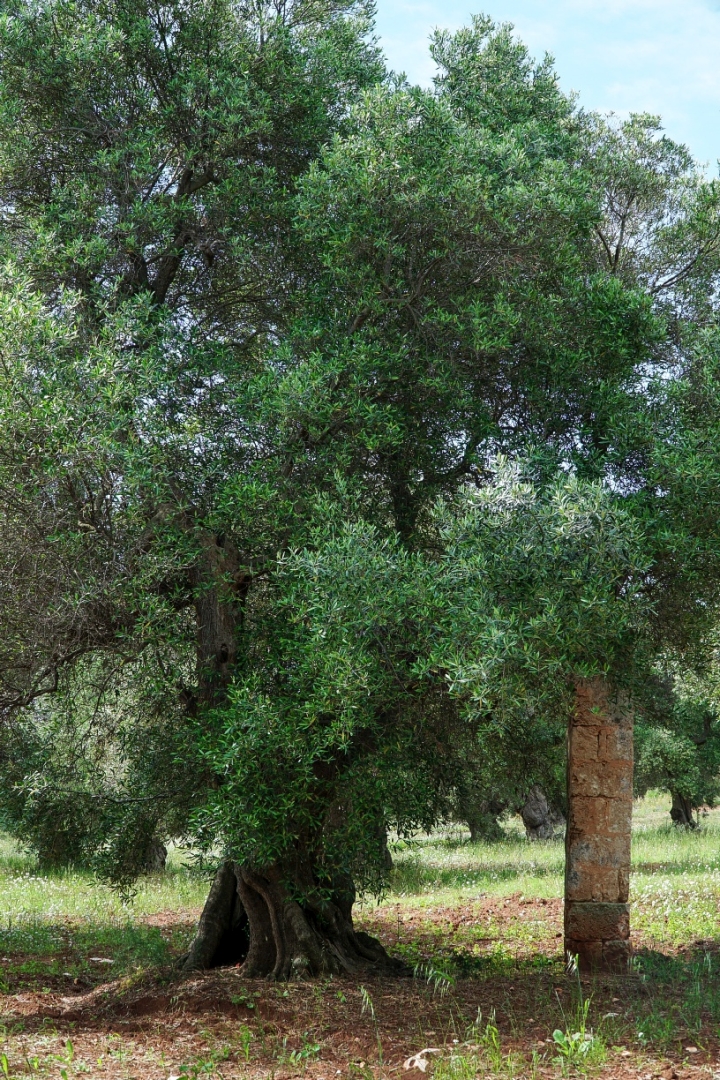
{"points": [[597, 865]]}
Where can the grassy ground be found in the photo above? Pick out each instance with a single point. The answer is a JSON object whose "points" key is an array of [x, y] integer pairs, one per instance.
{"points": [[61, 926], [87, 987], [675, 882]]}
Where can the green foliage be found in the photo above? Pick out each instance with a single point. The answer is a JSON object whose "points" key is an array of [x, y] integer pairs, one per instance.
{"points": [[144, 145], [368, 657], [579, 1049], [462, 310], [278, 316], [660, 215], [134, 142], [677, 737], [85, 777], [667, 759]]}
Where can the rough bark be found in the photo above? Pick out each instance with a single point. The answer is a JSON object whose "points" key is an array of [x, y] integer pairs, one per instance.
{"points": [[220, 586], [385, 852], [154, 857], [597, 868], [539, 817], [252, 919], [681, 811], [220, 590], [480, 814]]}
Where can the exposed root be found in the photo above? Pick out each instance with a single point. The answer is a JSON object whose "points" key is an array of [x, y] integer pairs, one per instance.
{"points": [[250, 919]]}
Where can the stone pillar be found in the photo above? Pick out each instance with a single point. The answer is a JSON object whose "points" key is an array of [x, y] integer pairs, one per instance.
{"points": [[597, 845]]}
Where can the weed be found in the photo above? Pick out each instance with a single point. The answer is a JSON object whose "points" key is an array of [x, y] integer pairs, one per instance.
{"points": [[198, 1069], [490, 1043], [359, 1072], [467, 1066], [579, 1049], [246, 1037], [486, 1054], [204, 1067], [367, 1003], [369, 1007], [441, 981], [245, 997], [457, 1067], [308, 1051], [120, 1052]]}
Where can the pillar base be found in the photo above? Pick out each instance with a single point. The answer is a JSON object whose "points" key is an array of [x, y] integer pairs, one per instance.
{"points": [[598, 934]]}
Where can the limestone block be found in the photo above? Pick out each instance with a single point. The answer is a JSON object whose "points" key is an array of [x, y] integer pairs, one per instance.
{"points": [[600, 955], [615, 743], [595, 851], [589, 953], [584, 742], [591, 700], [592, 778], [619, 819], [615, 955], [597, 921], [598, 815], [593, 883], [600, 759]]}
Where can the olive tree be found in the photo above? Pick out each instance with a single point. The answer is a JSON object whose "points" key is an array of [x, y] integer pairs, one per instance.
{"points": [[254, 285]]}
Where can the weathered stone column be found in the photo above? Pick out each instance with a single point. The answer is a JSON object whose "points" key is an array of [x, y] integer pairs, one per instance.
{"points": [[597, 845]]}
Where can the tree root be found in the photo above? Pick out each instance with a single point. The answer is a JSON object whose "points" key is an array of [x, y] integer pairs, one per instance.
{"points": [[251, 920]]}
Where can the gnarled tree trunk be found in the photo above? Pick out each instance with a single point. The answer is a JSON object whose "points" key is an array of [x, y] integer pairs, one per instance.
{"points": [[681, 811], [251, 918], [154, 857], [482, 822], [539, 817], [221, 586], [479, 813]]}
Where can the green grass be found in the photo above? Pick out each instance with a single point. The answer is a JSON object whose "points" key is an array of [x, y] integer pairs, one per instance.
{"points": [[669, 865], [446, 864], [675, 896], [76, 894], [53, 924]]}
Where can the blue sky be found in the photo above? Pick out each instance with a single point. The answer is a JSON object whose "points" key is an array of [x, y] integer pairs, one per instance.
{"points": [[659, 56]]}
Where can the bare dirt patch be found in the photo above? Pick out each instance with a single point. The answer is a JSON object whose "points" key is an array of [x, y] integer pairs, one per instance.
{"points": [[480, 958]]}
